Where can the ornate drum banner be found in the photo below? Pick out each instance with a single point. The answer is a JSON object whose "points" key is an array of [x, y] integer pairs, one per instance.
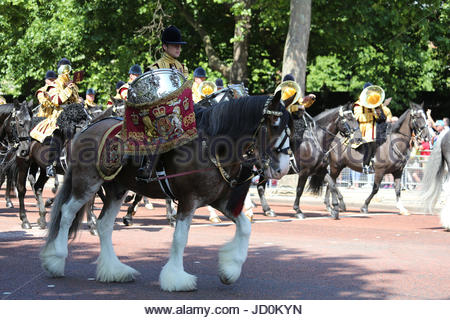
{"points": [[159, 124]]}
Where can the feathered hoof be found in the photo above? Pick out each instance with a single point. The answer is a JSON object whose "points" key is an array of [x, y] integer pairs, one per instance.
{"points": [[229, 272], [364, 210], [53, 265], [335, 214], [270, 213], [342, 206], [9, 204], [48, 203], [172, 279], [116, 272]]}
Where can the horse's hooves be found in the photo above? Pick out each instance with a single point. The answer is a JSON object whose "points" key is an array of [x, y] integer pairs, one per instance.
{"points": [[42, 223], [149, 206], [127, 221], [270, 213], [300, 216], [26, 225], [9, 204], [48, 203], [54, 190], [405, 213], [364, 210], [342, 207], [335, 214], [93, 231]]}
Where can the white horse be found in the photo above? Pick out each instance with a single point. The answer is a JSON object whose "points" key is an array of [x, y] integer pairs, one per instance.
{"points": [[436, 173]]}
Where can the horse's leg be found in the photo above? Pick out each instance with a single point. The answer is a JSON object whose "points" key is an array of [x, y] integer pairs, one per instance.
{"points": [[55, 184], [131, 211], [261, 192], [233, 255], [54, 254], [21, 190], [91, 218], [300, 187], [147, 204], [375, 188], [334, 211], [172, 276], [171, 213], [398, 189], [39, 187], [9, 188], [109, 267]]}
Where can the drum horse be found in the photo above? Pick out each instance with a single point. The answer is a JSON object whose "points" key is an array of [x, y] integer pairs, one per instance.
{"points": [[255, 125]]}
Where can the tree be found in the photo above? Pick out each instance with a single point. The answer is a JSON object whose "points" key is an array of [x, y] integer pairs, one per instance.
{"points": [[297, 40]]}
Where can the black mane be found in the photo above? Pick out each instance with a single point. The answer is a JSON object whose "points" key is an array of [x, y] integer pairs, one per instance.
{"points": [[396, 126], [234, 118]]}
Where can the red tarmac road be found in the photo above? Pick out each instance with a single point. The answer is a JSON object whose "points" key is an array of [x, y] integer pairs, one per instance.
{"points": [[376, 256]]}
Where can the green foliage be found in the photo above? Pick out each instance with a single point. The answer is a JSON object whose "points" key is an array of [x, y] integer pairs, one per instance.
{"points": [[401, 45]]}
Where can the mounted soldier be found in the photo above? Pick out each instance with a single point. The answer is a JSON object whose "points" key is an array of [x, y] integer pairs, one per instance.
{"points": [[134, 72], [296, 104], [89, 102], [199, 78], [64, 91], [43, 95], [171, 44], [370, 112], [119, 85]]}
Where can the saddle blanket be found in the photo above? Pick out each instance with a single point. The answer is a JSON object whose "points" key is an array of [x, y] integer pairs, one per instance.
{"points": [[160, 127]]}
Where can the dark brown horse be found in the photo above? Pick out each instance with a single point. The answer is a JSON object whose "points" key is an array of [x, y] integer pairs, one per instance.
{"points": [[71, 119], [391, 156], [251, 125], [311, 154]]}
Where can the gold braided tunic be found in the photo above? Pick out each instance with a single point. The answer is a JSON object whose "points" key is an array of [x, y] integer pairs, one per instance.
{"points": [[59, 94], [367, 120], [168, 62], [195, 94], [2, 100], [43, 96]]}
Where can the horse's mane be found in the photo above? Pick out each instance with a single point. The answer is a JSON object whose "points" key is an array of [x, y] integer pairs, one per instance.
{"points": [[234, 118], [396, 126], [72, 115], [327, 115], [6, 108]]}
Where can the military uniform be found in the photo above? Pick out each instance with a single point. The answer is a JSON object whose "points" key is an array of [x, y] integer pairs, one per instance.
{"points": [[88, 104], [367, 119], [2, 100], [168, 62], [46, 105], [56, 95]]}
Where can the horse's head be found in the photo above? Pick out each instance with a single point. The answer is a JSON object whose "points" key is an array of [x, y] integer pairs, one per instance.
{"points": [[418, 121], [21, 117], [347, 124], [273, 135]]}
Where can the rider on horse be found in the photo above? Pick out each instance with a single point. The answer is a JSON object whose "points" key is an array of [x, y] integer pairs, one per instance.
{"points": [[43, 96], [370, 113], [63, 91], [119, 85], [291, 95], [89, 102], [199, 77], [171, 44], [135, 71]]}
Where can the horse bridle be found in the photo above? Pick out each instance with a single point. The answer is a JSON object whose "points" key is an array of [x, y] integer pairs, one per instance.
{"points": [[14, 122], [417, 131]]}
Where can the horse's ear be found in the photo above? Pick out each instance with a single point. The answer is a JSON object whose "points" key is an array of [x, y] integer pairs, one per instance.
{"points": [[387, 101], [16, 104], [275, 101]]}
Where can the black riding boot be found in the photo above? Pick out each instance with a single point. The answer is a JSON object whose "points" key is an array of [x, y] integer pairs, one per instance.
{"points": [[368, 160], [55, 150], [145, 171]]}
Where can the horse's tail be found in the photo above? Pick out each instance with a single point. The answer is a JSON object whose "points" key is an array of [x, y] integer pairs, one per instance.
{"points": [[433, 176], [61, 198], [316, 183]]}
